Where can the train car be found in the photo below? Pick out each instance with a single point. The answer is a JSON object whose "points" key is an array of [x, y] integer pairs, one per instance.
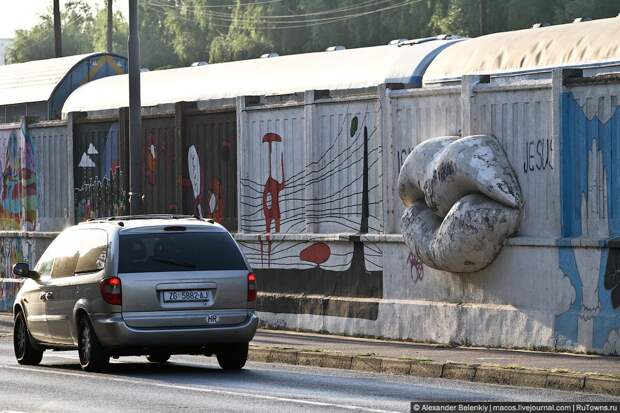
{"points": [[39, 88]]}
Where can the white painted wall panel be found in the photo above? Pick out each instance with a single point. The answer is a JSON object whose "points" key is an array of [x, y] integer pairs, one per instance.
{"points": [[522, 121], [285, 165], [336, 168], [415, 118]]}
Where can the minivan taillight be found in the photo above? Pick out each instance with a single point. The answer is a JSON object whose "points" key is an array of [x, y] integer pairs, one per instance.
{"points": [[251, 287], [111, 290]]}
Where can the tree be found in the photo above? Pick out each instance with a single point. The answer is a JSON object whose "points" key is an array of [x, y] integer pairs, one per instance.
{"points": [[179, 32], [38, 42], [156, 49], [245, 38], [119, 34]]}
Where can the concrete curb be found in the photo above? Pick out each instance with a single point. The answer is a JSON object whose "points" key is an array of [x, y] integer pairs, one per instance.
{"points": [[511, 376]]}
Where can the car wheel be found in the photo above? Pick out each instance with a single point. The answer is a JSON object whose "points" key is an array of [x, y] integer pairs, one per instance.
{"points": [[233, 357], [158, 358], [93, 356], [25, 351]]}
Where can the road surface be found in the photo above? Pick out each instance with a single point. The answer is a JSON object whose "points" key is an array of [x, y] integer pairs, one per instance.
{"points": [[194, 383]]}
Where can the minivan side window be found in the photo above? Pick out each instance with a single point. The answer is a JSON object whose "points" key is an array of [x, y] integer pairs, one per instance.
{"points": [[78, 251], [66, 253], [93, 250]]}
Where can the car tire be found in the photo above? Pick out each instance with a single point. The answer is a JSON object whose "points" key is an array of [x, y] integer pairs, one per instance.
{"points": [[233, 357], [93, 356], [25, 352], [160, 358]]}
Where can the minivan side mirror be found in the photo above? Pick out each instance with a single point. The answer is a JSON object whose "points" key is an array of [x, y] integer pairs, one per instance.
{"points": [[21, 269]]}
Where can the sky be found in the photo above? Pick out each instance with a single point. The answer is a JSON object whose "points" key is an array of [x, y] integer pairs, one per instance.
{"points": [[23, 14]]}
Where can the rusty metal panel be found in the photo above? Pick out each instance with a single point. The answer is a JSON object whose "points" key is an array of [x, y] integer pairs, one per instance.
{"points": [[100, 187], [272, 180], [210, 167], [52, 170], [345, 168], [413, 119], [522, 121], [159, 182]]}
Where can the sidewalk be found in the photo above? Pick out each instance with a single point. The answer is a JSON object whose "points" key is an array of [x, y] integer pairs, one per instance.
{"points": [[564, 371], [608, 365]]}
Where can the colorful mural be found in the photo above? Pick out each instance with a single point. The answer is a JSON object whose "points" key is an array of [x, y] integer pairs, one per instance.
{"points": [[18, 195], [91, 68], [590, 167], [12, 250], [330, 272]]}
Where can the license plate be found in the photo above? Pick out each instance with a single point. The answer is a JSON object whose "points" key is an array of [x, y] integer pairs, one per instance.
{"points": [[184, 296]]}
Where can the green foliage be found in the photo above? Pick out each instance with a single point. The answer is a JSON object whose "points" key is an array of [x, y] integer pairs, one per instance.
{"points": [[156, 38], [38, 42], [179, 32], [119, 33]]}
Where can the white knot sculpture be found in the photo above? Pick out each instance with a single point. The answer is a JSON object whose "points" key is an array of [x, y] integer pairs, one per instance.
{"points": [[462, 200]]}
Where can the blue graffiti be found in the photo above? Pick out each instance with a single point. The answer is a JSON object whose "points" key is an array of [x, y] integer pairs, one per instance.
{"points": [[578, 136]]}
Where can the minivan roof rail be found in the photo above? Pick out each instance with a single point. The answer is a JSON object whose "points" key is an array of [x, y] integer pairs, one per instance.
{"points": [[149, 216]]}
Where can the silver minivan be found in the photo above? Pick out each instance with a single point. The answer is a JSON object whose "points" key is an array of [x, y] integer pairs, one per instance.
{"points": [[138, 285]]}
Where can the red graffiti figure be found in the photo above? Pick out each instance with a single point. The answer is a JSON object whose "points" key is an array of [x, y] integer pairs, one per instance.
{"points": [[272, 189], [150, 160], [215, 203]]}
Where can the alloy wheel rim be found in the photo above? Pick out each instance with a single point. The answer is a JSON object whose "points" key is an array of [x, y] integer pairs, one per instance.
{"points": [[85, 347], [20, 339]]}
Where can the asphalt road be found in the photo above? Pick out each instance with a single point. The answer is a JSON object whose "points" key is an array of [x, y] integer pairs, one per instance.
{"points": [[193, 383]]}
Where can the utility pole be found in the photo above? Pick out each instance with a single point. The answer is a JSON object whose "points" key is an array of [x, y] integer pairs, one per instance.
{"points": [[57, 30], [136, 147], [483, 17], [110, 24]]}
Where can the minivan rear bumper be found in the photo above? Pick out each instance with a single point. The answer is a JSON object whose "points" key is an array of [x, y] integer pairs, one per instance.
{"points": [[114, 334]]}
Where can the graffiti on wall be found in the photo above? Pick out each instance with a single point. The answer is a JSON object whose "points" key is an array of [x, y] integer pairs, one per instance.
{"points": [[589, 205], [538, 155], [326, 271], [12, 250], [18, 194], [99, 187], [211, 192]]}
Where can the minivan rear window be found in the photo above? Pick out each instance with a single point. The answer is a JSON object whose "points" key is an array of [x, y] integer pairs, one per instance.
{"points": [[179, 251]]}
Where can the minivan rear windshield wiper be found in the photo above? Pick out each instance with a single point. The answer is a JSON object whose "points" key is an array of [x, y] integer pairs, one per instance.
{"points": [[173, 262]]}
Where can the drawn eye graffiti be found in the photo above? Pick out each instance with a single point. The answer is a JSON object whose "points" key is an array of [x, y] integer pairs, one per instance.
{"points": [[354, 122], [193, 164], [462, 199]]}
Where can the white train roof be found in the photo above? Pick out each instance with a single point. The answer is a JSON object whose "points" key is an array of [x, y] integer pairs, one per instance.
{"points": [[575, 44], [36, 80], [333, 70]]}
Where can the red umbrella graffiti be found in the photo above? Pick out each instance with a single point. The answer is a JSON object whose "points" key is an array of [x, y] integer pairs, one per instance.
{"points": [[272, 189]]}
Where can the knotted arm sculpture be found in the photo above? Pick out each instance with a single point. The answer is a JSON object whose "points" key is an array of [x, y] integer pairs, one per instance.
{"points": [[462, 200]]}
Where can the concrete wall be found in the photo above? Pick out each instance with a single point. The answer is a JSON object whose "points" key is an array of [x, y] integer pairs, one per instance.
{"points": [[35, 195], [319, 214], [553, 286]]}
